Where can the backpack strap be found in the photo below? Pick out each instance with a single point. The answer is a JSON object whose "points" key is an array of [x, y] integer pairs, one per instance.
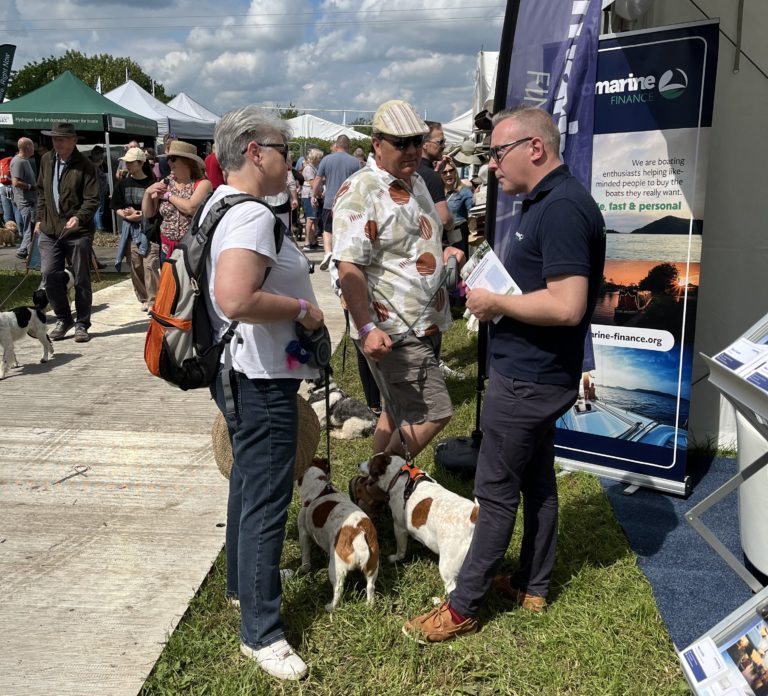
{"points": [[203, 234]]}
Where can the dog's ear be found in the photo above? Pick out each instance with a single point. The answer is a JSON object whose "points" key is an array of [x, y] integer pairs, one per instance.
{"points": [[322, 464], [378, 464]]}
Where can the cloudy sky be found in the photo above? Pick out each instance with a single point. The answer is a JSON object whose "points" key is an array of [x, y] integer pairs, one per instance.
{"points": [[328, 54]]}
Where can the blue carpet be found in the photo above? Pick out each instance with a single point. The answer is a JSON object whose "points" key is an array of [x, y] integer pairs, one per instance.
{"points": [[694, 588]]}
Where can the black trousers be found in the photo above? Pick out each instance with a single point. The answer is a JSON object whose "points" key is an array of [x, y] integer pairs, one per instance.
{"points": [[516, 457]]}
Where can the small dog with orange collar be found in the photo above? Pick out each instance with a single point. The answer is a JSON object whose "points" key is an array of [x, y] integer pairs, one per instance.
{"points": [[338, 527], [440, 519]]}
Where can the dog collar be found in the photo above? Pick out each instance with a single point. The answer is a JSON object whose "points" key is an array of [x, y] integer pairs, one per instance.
{"points": [[326, 491]]}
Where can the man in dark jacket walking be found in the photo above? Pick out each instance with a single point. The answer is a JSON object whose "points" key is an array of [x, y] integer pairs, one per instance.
{"points": [[67, 199]]}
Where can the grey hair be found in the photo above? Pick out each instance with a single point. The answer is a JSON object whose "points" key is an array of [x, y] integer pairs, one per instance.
{"points": [[238, 128], [538, 121]]}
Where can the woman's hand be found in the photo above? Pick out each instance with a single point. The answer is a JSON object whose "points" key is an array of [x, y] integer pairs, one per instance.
{"points": [[313, 319], [156, 190]]}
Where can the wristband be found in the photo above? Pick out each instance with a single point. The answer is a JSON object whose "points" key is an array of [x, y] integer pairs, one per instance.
{"points": [[302, 310], [365, 330], [167, 196]]}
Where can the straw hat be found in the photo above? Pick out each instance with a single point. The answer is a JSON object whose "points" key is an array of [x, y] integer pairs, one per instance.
{"points": [[306, 445], [468, 153], [182, 149]]}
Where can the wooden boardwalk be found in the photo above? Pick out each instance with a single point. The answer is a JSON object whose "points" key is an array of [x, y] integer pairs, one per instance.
{"points": [[97, 570]]}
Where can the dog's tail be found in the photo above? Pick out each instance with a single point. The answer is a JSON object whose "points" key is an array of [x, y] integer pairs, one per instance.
{"points": [[366, 547]]}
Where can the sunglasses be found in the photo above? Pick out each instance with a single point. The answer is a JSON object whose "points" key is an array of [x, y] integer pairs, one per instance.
{"points": [[403, 143], [498, 152], [174, 158], [439, 143], [282, 148]]}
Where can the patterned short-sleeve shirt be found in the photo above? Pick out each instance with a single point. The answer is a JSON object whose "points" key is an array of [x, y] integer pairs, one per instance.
{"points": [[392, 230]]}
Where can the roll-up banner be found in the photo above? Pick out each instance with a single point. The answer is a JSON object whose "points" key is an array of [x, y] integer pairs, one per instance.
{"points": [[6, 61], [654, 95]]}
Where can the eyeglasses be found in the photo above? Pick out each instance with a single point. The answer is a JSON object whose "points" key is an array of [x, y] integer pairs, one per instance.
{"points": [[498, 152], [282, 148], [439, 143], [402, 143]]}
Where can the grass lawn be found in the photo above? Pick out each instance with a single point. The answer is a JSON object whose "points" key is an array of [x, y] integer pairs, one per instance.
{"points": [[602, 635], [16, 287]]}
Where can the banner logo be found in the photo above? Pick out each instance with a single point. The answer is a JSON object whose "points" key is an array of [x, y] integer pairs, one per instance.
{"points": [[669, 89]]}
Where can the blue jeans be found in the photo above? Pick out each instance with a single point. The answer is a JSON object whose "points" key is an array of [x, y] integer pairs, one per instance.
{"points": [[27, 215], [263, 431], [7, 202]]}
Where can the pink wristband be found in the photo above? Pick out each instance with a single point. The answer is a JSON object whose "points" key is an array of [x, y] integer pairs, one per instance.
{"points": [[167, 196], [302, 310], [365, 330]]}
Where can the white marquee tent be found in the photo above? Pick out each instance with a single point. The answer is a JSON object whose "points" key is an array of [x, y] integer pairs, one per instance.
{"points": [[184, 103], [135, 98], [459, 129], [308, 126]]}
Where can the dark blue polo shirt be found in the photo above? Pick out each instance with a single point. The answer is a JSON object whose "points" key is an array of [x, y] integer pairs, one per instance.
{"points": [[561, 232]]}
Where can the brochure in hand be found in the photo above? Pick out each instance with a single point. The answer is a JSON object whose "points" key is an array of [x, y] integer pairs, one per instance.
{"points": [[485, 270]]}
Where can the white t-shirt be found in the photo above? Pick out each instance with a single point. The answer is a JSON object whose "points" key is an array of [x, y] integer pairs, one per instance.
{"points": [[260, 354]]}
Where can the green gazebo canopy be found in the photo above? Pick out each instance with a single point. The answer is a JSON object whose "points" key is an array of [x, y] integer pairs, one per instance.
{"points": [[69, 99]]}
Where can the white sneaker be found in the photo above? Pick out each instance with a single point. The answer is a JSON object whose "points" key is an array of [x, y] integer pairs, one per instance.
{"points": [[326, 261], [450, 372], [277, 659]]}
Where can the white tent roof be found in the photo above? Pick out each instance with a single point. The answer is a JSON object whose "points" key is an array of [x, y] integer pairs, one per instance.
{"points": [[485, 79], [135, 98], [308, 126], [184, 103], [459, 129]]}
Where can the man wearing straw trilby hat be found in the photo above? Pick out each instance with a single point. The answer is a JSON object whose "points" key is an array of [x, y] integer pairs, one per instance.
{"points": [[387, 245], [67, 200]]}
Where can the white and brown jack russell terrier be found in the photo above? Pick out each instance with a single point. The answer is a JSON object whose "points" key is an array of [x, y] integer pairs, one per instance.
{"points": [[338, 527], [440, 519]]}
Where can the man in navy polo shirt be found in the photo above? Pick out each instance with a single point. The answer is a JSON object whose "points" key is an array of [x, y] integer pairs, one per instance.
{"points": [[536, 349]]}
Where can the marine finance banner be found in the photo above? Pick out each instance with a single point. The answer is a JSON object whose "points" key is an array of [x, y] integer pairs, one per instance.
{"points": [[654, 94]]}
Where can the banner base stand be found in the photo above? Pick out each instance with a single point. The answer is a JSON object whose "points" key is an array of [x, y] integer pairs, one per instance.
{"points": [[681, 488]]}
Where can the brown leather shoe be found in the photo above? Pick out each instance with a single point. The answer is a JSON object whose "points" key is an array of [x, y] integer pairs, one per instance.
{"points": [[437, 626], [504, 587]]}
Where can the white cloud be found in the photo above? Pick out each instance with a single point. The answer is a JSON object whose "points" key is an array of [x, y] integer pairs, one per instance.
{"points": [[333, 54]]}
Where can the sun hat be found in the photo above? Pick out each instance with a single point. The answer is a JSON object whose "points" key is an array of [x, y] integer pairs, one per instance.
{"points": [[467, 153], [181, 149], [59, 129], [133, 154], [306, 444], [481, 179], [398, 118]]}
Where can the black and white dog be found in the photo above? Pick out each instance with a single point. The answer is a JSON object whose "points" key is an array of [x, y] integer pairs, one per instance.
{"points": [[15, 323], [349, 418]]}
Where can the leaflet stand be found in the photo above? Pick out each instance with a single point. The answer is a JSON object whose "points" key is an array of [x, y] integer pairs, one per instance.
{"points": [[732, 657], [694, 514]]}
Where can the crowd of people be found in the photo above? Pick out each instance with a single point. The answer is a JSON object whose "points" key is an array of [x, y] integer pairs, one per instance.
{"points": [[390, 224]]}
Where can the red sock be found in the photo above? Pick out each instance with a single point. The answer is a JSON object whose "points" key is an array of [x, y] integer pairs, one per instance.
{"points": [[457, 618]]}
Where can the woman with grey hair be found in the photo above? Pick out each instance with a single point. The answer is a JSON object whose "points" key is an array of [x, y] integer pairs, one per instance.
{"points": [[267, 291]]}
